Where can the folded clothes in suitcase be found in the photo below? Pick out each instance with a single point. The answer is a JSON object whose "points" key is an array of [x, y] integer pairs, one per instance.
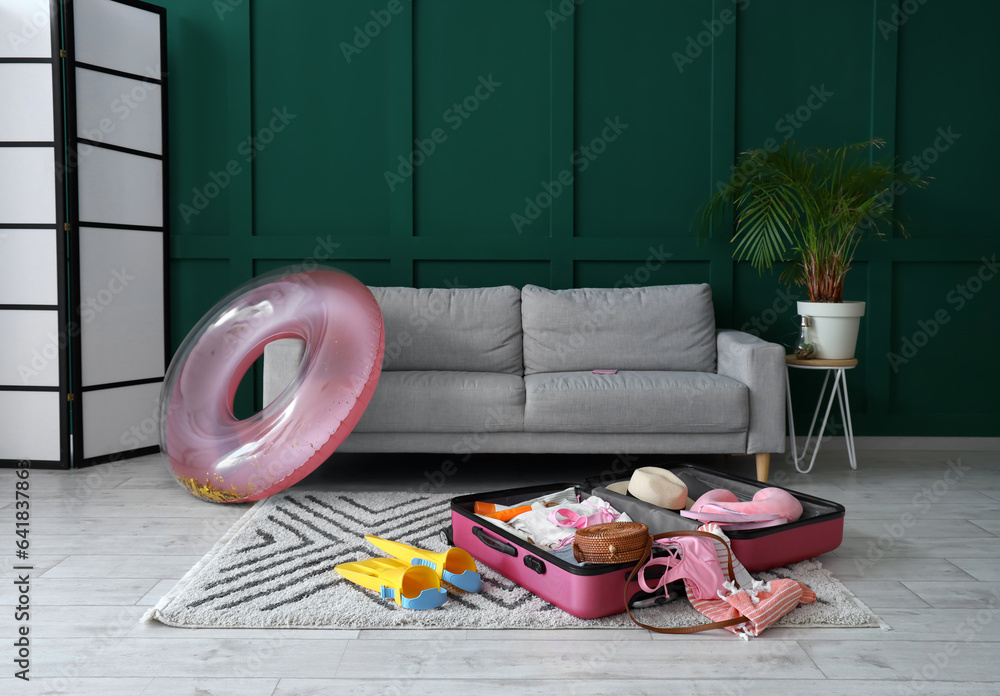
{"points": [[585, 591], [819, 530], [593, 591]]}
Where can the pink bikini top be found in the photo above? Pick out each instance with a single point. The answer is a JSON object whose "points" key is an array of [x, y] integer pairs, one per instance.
{"points": [[697, 564]]}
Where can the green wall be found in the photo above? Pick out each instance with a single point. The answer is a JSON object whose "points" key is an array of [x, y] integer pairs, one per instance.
{"points": [[569, 144]]}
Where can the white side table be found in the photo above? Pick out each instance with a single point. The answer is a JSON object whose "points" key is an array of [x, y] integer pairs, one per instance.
{"points": [[839, 391]]}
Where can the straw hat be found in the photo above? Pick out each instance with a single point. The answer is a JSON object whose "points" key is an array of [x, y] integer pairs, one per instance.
{"points": [[656, 486]]}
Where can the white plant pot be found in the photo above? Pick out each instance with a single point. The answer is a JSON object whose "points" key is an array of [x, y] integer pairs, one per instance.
{"points": [[833, 329]]}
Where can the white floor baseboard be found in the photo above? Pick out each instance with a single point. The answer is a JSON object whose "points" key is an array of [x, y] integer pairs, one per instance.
{"points": [[950, 444]]}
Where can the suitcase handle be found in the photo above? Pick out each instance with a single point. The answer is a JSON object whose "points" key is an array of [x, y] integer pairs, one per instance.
{"points": [[494, 544]]}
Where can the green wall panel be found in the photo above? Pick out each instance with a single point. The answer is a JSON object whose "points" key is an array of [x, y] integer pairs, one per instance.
{"points": [[944, 322], [804, 72], [481, 85], [467, 274], [196, 285], [641, 111], [321, 143], [764, 306], [639, 273], [947, 118], [207, 56], [368, 271], [859, 386]]}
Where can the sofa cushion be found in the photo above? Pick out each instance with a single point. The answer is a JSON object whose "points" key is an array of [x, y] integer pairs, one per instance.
{"points": [[445, 402], [665, 327], [474, 329], [635, 402]]}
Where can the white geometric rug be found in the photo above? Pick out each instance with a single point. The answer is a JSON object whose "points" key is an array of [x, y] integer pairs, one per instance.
{"points": [[274, 569]]}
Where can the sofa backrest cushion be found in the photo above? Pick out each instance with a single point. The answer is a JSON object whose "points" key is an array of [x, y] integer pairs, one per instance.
{"points": [[664, 327], [463, 329]]}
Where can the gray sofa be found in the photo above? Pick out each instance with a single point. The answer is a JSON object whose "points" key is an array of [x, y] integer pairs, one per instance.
{"points": [[507, 370]]}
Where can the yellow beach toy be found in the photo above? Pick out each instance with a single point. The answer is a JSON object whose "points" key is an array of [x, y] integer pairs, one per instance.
{"points": [[411, 586], [454, 566]]}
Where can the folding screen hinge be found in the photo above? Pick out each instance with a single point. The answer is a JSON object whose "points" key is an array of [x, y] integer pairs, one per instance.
{"points": [[67, 227], [62, 53], [69, 396]]}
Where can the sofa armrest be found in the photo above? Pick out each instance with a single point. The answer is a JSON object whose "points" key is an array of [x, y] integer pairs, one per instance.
{"points": [[761, 366]]}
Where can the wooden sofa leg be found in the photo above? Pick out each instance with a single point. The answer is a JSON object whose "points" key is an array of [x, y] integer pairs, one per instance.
{"points": [[763, 464]]}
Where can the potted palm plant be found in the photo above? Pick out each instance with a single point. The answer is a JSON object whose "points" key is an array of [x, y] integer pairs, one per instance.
{"points": [[811, 206]]}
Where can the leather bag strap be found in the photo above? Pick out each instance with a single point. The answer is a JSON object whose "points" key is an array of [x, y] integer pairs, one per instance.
{"points": [[686, 629]]}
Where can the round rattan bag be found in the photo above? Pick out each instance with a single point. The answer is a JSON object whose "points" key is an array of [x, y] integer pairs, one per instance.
{"points": [[612, 542]]}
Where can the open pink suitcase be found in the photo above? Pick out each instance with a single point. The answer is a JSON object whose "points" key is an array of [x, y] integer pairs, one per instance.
{"points": [[593, 591]]}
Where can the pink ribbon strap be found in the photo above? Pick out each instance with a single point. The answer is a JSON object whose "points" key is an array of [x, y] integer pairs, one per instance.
{"points": [[572, 519], [569, 519]]}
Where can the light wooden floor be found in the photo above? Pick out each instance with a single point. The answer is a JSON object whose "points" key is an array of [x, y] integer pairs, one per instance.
{"points": [[108, 541]]}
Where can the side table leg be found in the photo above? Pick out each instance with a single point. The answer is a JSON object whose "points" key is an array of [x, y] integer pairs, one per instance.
{"points": [[826, 417], [845, 406], [843, 418], [812, 425]]}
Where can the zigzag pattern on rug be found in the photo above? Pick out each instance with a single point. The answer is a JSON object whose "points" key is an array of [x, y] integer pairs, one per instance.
{"points": [[322, 535]]}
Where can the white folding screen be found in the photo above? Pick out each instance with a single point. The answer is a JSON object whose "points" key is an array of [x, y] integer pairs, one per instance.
{"points": [[34, 360], [83, 319], [116, 131]]}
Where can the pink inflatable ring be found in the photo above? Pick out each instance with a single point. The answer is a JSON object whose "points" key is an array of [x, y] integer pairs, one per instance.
{"points": [[219, 458]]}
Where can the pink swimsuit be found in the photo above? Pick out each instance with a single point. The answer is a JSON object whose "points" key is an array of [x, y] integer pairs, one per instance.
{"points": [[697, 565]]}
